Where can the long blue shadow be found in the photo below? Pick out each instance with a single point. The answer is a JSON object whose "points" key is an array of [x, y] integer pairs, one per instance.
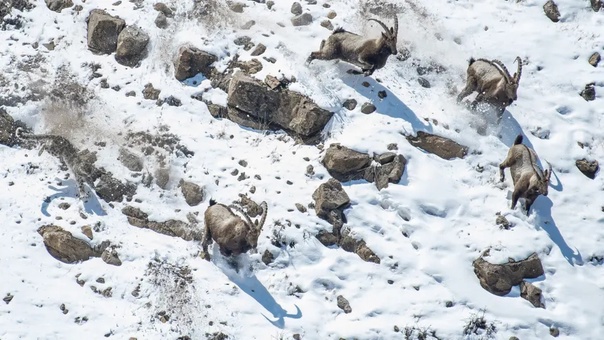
{"points": [[254, 288], [390, 105], [91, 206], [545, 221]]}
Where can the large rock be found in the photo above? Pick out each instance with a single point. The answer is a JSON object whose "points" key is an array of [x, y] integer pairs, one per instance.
{"points": [[442, 147], [131, 46], [111, 189], [359, 247], [252, 103], [63, 246], [58, 5], [304, 19], [389, 169], [330, 196], [192, 192], [588, 168], [500, 278], [345, 164], [190, 61], [103, 31], [174, 228], [130, 160]]}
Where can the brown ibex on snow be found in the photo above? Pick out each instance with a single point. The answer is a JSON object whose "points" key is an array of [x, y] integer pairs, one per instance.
{"points": [[492, 80], [529, 180], [368, 54], [233, 234]]}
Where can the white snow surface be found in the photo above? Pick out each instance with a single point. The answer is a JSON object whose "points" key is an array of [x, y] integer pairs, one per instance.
{"points": [[427, 229]]}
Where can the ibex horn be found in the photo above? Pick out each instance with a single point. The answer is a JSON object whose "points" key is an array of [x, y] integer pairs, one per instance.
{"points": [[519, 72], [383, 26]]}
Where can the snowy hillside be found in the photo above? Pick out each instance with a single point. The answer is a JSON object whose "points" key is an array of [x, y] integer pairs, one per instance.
{"points": [[426, 230]]}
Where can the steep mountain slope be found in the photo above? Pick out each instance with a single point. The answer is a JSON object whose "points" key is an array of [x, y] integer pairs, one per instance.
{"points": [[427, 229]]}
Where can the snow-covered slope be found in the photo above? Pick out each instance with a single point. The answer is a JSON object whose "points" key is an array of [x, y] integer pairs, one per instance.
{"points": [[427, 229]]}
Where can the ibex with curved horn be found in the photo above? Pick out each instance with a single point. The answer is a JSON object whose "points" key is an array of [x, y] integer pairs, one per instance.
{"points": [[233, 234], [529, 180], [368, 54], [492, 80]]}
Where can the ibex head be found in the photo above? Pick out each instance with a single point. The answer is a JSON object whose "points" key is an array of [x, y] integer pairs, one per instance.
{"points": [[539, 184], [255, 228], [389, 35], [511, 82]]}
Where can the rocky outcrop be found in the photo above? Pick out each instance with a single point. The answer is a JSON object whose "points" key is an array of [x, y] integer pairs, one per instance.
{"points": [[345, 164], [174, 228], [444, 148], [111, 189], [7, 128], [253, 104], [499, 279], [190, 61], [531, 294], [103, 31], [63, 246], [131, 46], [130, 160]]}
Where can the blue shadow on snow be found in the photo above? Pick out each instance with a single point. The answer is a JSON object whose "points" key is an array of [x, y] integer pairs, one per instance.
{"points": [[92, 204]]}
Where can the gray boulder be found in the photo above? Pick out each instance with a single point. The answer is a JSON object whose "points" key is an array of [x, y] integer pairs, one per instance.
{"points": [[531, 293], [551, 11], [191, 61], [63, 246], [442, 147], [345, 164], [588, 168], [499, 279], [130, 160], [131, 46], [253, 104], [192, 192], [330, 196], [304, 19], [103, 31]]}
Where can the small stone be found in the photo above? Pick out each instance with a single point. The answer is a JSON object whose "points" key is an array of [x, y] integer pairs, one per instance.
{"points": [[332, 14], [270, 4], [304, 19], [237, 7], [368, 108], [554, 331], [161, 21], [164, 9], [130, 94], [260, 48], [551, 11], [502, 222], [396, 329], [149, 92], [327, 24], [392, 146], [588, 168], [350, 104], [594, 59], [192, 192], [301, 208], [267, 257], [310, 170], [296, 8], [382, 94], [589, 93], [248, 25], [64, 205], [8, 298], [343, 304], [423, 82], [87, 230], [449, 304], [365, 84]]}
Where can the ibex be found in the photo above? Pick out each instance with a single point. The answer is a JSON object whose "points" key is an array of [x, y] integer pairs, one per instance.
{"points": [[529, 180], [60, 147], [233, 234], [492, 81], [368, 54]]}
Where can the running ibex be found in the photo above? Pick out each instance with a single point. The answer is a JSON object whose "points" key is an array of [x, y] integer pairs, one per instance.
{"points": [[233, 234], [529, 180], [492, 81], [368, 54]]}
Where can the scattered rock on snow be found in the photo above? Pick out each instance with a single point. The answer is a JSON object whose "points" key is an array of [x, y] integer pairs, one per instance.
{"points": [[260, 48], [589, 92], [442, 147], [162, 176], [302, 20], [588, 168], [7, 128], [267, 257], [110, 256], [350, 104], [163, 9], [58, 5], [359, 247], [161, 21], [86, 230], [131, 46], [343, 304], [594, 59], [130, 160], [191, 61], [551, 11], [423, 82], [296, 8], [596, 5], [499, 279], [149, 92], [111, 189], [327, 24], [174, 228], [368, 108], [192, 192], [237, 7], [63, 246], [103, 31], [345, 164], [8, 298], [531, 293]]}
